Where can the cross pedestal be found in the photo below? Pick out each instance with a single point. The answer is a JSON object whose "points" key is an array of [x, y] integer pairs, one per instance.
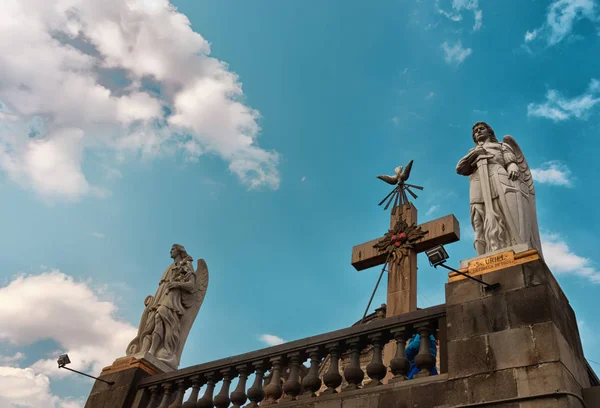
{"points": [[402, 276]]}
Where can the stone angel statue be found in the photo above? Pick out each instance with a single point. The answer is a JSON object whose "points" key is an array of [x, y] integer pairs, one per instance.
{"points": [[170, 313], [502, 195]]}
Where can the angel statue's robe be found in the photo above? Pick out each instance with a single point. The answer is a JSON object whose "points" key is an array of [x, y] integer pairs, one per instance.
{"points": [[164, 315], [512, 219]]}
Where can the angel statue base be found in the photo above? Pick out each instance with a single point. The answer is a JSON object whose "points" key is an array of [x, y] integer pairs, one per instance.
{"points": [[170, 313], [502, 195]]}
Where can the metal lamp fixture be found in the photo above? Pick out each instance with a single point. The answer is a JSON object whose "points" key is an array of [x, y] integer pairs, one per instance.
{"points": [[438, 256], [63, 360]]}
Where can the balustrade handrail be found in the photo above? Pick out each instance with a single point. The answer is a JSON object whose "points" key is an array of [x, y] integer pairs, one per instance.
{"points": [[423, 315]]}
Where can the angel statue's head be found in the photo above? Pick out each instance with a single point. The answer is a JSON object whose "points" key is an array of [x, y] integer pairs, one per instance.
{"points": [[178, 250], [483, 132]]}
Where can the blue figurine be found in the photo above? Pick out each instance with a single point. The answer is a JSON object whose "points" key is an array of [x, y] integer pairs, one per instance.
{"points": [[413, 349]]}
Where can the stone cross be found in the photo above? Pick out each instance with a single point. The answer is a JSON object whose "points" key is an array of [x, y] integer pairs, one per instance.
{"points": [[402, 276]]}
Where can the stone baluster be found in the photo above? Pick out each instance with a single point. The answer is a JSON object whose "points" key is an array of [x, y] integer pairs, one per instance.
{"points": [[353, 373], [154, 396], [256, 393], [273, 390], [292, 386], [332, 378], [178, 401], [222, 399], [193, 399], [424, 360], [376, 369], [312, 383], [400, 364], [238, 396], [166, 398], [207, 399]]}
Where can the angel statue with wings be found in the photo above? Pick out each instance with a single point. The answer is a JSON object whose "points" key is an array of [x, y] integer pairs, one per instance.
{"points": [[502, 196], [169, 314]]}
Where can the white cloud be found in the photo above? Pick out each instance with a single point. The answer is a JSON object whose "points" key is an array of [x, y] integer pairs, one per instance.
{"points": [[478, 20], [430, 95], [562, 260], [98, 234], [271, 340], [458, 6], [561, 17], [112, 174], [24, 388], [558, 107], [455, 54], [531, 35], [553, 172], [59, 99], [10, 360], [480, 112], [69, 312], [432, 209], [303, 179]]}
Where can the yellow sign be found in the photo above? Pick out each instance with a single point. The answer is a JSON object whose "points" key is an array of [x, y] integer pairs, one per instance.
{"points": [[491, 263], [494, 263]]}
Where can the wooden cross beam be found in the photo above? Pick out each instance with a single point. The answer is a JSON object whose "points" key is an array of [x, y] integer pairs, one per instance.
{"points": [[402, 277]]}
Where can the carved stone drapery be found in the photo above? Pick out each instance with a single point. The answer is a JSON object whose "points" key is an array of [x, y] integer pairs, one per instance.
{"points": [[502, 194], [170, 313]]}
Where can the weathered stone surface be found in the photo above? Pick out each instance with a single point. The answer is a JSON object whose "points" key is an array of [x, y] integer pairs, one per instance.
{"points": [[494, 386], [545, 378], [337, 403], [429, 395], [487, 315], [544, 341], [592, 396], [119, 395], [468, 357], [529, 306], [456, 392], [398, 398], [463, 291], [371, 400], [510, 278], [512, 348], [454, 322], [558, 402], [575, 365]]}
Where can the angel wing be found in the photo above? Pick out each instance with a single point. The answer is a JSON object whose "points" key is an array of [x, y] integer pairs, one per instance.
{"points": [[524, 169], [527, 178], [200, 286]]}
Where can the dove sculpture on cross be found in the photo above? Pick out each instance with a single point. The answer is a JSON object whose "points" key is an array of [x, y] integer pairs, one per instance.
{"points": [[398, 194]]}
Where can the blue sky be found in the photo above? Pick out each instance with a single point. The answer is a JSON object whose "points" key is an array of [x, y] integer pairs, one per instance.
{"points": [[253, 137]]}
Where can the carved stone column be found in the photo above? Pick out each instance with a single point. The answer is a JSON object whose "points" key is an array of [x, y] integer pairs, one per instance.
{"points": [[312, 382]]}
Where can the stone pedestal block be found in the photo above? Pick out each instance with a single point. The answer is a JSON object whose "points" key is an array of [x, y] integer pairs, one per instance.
{"points": [[523, 333], [126, 373]]}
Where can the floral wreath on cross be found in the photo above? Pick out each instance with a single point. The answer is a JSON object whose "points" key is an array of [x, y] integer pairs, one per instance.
{"points": [[399, 240]]}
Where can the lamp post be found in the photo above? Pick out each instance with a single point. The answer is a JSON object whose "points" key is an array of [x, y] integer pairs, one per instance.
{"points": [[438, 256], [63, 360]]}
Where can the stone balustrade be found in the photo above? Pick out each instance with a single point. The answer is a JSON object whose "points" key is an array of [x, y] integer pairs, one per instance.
{"points": [[284, 363]]}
